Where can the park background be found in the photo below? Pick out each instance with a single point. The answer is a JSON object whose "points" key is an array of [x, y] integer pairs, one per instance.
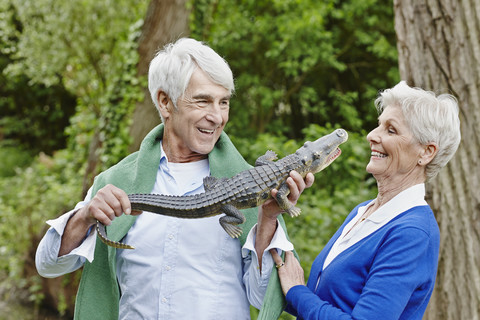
{"points": [[74, 101]]}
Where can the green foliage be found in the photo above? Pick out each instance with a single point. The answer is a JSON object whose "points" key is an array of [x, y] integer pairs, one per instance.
{"points": [[110, 125], [12, 158], [93, 45], [32, 115], [298, 62], [35, 194], [89, 48]]}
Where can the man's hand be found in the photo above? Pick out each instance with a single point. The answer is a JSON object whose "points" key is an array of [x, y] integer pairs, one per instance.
{"points": [[109, 202], [269, 211], [296, 184]]}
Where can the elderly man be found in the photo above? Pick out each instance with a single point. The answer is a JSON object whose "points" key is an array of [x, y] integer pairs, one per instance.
{"points": [[181, 268]]}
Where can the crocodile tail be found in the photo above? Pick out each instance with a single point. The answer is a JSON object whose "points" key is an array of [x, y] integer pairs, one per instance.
{"points": [[189, 207], [102, 234]]}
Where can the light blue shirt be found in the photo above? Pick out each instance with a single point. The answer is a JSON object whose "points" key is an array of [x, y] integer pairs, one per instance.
{"points": [[181, 268]]}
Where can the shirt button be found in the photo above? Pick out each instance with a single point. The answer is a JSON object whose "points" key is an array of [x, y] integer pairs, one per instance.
{"points": [[170, 236], [164, 300], [168, 268]]}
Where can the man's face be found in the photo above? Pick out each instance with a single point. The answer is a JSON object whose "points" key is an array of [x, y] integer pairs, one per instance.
{"points": [[192, 129]]}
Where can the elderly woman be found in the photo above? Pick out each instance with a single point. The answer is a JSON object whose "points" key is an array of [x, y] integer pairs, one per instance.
{"points": [[382, 262]]}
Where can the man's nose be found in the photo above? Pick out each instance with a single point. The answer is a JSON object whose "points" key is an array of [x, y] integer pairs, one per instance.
{"points": [[214, 113]]}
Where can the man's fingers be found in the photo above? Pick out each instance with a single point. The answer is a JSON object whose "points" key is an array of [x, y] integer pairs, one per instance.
{"points": [[124, 202], [309, 180], [108, 203], [294, 189]]}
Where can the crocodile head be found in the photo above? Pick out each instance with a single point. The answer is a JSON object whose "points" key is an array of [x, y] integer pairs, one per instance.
{"points": [[318, 154]]}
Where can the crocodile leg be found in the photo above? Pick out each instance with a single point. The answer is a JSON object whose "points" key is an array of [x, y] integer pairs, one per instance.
{"points": [[268, 157], [283, 203], [229, 222]]}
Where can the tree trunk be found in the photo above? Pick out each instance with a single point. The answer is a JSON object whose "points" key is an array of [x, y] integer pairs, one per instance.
{"points": [[166, 21], [439, 50]]}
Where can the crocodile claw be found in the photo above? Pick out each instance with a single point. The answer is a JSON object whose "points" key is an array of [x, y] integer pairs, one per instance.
{"points": [[233, 231], [294, 212]]}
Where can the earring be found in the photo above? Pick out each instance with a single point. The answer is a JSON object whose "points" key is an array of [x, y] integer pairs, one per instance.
{"points": [[419, 161]]}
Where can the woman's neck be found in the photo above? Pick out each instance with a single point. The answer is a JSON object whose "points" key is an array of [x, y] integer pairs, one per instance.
{"points": [[388, 189]]}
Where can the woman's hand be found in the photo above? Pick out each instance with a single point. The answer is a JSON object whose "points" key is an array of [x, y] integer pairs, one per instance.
{"points": [[289, 271]]}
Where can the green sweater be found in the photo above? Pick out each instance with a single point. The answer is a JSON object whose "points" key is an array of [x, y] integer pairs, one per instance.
{"points": [[98, 294]]}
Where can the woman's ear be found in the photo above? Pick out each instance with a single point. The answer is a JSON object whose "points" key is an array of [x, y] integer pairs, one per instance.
{"points": [[429, 152], [164, 104]]}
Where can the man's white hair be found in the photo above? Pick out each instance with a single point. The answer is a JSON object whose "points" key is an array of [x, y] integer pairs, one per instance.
{"points": [[172, 67]]}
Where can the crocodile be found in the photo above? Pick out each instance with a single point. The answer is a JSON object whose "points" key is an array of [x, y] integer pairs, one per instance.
{"points": [[247, 189]]}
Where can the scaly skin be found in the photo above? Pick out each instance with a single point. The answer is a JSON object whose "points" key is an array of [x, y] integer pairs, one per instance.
{"points": [[247, 189]]}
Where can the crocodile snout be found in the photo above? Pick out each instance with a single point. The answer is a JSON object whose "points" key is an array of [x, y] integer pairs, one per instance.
{"points": [[342, 134]]}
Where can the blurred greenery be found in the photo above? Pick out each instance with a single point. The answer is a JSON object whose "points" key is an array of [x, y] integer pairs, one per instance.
{"points": [[69, 86]]}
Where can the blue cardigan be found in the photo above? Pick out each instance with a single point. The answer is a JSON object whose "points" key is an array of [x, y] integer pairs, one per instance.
{"points": [[388, 275]]}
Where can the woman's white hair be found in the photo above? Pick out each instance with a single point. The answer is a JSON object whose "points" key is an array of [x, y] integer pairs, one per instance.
{"points": [[172, 67], [431, 118]]}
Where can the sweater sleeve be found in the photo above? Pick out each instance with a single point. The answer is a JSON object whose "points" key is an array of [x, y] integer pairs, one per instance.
{"points": [[403, 264]]}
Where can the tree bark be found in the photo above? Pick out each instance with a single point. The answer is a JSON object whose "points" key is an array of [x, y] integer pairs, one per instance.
{"points": [[439, 50], [166, 21]]}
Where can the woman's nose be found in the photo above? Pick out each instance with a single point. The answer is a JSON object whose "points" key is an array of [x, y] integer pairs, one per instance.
{"points": [[372, 136]]}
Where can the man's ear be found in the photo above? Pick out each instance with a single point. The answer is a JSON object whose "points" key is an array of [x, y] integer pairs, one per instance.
{"points": [[429, 152], [164, 104]]}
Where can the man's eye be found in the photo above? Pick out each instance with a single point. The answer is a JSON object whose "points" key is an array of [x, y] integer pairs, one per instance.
{"points": [[202, 103]]}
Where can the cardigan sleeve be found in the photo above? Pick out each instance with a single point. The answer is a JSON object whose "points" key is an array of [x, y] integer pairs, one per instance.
{"points": [[403, 264]]}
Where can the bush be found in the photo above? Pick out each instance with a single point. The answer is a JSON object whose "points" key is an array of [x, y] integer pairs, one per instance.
{"points": [[12, 159], [48, 187]]}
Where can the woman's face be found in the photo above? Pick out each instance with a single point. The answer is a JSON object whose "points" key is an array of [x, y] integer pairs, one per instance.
{"points": [[395, 152]]}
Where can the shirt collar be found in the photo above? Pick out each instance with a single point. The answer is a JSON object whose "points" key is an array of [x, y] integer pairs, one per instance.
{"points": [[405, 200], [163, 165]]}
